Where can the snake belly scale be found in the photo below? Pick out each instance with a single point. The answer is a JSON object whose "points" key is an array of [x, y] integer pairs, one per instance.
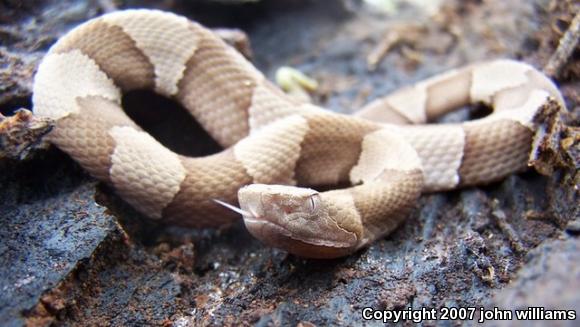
{"points": [[275, 145]]}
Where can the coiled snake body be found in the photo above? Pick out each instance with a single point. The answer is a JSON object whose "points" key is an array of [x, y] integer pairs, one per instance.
{"points": [[271, 138]]}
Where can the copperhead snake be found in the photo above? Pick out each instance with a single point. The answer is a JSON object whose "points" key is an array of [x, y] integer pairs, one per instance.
{"points": [[274, 145]]}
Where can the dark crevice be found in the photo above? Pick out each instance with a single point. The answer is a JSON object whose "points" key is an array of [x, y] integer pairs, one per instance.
{"points": [[169, 123], [465, 113], [8, 108]]}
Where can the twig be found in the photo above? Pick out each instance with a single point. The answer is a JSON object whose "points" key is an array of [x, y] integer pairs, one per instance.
{"points": [[507, 229], [566, 46], [403, 34]]}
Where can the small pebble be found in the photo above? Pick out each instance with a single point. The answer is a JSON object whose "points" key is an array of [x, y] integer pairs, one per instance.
{"points": [[573, 227]]}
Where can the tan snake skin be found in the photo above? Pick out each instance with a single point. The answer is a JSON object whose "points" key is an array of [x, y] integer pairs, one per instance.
{"points": [[270, 138]]}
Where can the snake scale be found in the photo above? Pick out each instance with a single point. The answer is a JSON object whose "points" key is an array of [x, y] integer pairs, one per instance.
{"points": [[274, 145]]}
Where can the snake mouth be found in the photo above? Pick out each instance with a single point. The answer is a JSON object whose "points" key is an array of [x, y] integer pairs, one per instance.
{"points": [[254, 223], [280, 237], [267, 230], [260, 226]]}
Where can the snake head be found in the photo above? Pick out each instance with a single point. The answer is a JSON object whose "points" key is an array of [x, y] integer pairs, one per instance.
{"points": [[294, 219]]}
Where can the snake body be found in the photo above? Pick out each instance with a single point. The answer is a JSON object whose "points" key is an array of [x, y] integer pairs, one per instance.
{"points": [[274, 143]]}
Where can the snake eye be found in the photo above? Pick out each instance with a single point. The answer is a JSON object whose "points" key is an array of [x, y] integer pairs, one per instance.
{"points": [[313, 203]]}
